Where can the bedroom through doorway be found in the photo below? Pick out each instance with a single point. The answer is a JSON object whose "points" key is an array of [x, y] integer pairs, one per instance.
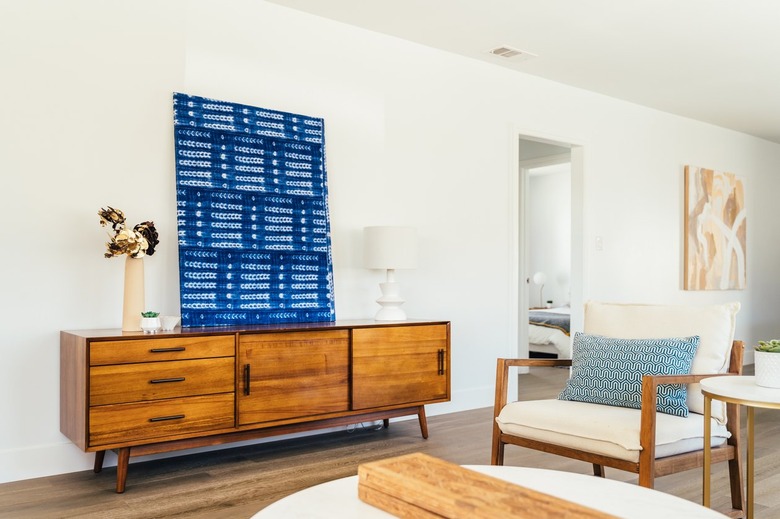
{"points": [[549, 252]]}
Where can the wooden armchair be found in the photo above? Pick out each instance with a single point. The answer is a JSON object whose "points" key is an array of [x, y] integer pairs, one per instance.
{"points": [[643, 441]]}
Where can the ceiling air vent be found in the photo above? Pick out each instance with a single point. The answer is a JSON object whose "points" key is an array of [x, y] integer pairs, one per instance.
{"points": [[505, 51]]}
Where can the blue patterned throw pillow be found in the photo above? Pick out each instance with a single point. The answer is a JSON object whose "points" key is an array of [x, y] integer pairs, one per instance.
{"points": [[609, 371]]}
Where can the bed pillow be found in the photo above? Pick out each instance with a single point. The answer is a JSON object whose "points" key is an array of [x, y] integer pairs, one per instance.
{"points": [[609, 371]]}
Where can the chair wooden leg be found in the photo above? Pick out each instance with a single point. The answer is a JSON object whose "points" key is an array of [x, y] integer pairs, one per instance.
{"points": [[647, 475], [121, 469], [497, 452], [598, 471], [99, 457], [735, 480], [735, 464], [423, 421]]}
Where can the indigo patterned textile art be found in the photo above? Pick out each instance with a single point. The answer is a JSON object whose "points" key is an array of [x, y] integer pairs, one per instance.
{"points": [[252, 211]]}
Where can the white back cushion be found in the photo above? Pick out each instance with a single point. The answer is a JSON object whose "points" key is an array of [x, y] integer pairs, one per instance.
{"points": [[713, 323]]}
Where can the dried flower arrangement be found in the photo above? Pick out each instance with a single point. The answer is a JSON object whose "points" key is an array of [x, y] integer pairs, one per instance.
{"points": [[137, 242]]}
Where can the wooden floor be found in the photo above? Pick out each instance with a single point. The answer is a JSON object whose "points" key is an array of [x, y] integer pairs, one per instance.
{"points": [[238, 482]]}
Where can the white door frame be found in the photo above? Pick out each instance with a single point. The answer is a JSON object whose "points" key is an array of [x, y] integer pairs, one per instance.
{"points": [[518, 250]]}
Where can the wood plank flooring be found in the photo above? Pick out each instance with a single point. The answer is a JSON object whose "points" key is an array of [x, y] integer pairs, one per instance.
{"points": [[237, 482]]}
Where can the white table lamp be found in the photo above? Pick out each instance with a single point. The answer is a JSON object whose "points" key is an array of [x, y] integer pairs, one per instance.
{"points": [[390, 248], [539, 279]]}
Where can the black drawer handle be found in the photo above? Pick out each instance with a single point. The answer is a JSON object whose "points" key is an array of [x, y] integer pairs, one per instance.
{"points": [[164, 418], [441, 362], [164, 380], [246, 379], [166, 350]]}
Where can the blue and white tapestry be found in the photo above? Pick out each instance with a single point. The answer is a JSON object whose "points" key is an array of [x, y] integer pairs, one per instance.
{"points": [[252, 211]]}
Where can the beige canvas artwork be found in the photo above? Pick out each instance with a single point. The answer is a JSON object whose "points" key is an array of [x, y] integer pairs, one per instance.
{"points": [[715, 230]]}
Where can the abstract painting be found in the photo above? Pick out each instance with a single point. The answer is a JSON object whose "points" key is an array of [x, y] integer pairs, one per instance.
{"points": [[715, 230], [252, 215]]}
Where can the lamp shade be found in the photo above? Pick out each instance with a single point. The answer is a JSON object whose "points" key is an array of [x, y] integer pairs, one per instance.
{"points": [[540, 278], [389, 247]]}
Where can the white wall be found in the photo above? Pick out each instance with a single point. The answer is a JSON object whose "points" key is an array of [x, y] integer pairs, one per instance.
{"points": [[414, 136], [549, 237]]}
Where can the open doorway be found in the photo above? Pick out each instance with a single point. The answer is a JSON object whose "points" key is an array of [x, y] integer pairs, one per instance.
{"points": [[548, 217], [549, 235], [549, 255]]}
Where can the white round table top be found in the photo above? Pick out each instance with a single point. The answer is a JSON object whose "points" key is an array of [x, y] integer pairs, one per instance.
{"points": [[339, 498], [741, 390]]}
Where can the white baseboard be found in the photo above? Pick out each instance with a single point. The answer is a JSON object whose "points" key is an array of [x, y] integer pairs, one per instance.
{"points": [[464, 400], [43, 460]]}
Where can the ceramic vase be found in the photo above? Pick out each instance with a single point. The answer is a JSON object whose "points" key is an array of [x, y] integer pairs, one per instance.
{"points": [[767, 369], [133, 303]]}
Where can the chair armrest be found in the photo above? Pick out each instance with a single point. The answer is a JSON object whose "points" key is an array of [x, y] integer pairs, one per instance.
{"points": [[684, 379], [535, 362], [502, 376]]}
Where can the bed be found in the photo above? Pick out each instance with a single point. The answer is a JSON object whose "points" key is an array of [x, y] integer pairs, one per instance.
{"points": [[548, 331]]}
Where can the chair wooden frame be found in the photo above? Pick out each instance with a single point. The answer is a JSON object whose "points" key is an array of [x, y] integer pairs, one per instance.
{"points": [[648, 467]]}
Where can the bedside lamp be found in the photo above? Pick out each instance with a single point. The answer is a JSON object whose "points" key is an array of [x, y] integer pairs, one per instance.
{"points": [[390, 248], [539, 279]]}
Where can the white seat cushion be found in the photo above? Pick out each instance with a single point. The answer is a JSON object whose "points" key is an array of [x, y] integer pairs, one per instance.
{"points": [[714, 324], [601, 429]]}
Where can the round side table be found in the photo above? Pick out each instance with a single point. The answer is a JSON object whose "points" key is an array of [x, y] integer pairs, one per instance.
{"points": [[739, 391]]}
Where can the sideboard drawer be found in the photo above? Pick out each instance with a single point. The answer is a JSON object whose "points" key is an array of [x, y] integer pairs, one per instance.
{"points": [[152, 350], [122, 383], [161, 418]]}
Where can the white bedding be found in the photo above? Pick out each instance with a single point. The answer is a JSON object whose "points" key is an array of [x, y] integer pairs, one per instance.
{"points": [[543, 339]]}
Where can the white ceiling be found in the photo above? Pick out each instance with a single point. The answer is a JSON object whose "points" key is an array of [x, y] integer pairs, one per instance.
{"points": [[713, 60]]}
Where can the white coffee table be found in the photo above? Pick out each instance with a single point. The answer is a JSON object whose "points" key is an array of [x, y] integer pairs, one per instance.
{"points": [[740, 391], [339, 498]]}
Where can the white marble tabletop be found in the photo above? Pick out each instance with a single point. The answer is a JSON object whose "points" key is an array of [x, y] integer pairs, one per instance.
{"points": [[339, 498], [741, 390]]}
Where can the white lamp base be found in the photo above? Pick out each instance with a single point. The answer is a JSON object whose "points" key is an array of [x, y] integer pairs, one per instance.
{"points": [[390, 302]]}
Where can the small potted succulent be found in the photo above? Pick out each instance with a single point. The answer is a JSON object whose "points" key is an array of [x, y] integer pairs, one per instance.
{"points": [[767, 363], [150, 322]]}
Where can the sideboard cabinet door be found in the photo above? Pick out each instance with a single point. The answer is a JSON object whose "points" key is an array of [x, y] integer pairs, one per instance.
{"points": [[400, 365], [292, 375]]}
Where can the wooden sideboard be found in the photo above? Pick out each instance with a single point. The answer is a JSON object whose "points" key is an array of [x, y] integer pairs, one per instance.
{"points": [[142, 394]]}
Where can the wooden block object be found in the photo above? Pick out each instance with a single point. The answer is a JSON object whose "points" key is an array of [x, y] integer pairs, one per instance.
{"points": [[421, 486]]}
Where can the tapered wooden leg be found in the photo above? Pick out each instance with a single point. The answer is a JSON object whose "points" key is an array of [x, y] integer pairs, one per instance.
{"points": [[121, 468], [99, 457], [497, 452], [423, 421]]}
